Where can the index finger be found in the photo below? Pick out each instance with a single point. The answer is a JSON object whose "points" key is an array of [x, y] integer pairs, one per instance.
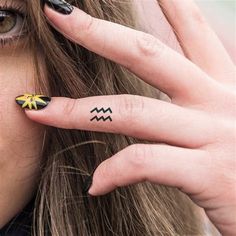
{"points": [[141, 53]]}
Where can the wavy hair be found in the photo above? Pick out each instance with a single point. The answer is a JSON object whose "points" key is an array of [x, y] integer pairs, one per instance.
{"points": [[63, 68]]}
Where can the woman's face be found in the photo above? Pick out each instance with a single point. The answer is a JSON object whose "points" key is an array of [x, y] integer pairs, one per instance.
{"points": [[21, 140]]}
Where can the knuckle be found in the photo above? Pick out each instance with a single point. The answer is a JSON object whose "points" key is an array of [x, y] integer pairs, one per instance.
{"points": [[90, 24], [218, 171], [148, 45], [130, 106], [137, 155], [87, 27], [69, 109], [197, 16]]}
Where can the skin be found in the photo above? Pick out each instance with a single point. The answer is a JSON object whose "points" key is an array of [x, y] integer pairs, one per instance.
{"points": [[197, 127], [20, 138]]}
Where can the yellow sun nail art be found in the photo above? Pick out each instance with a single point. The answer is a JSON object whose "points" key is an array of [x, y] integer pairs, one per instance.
{"points": [[33, 102]]}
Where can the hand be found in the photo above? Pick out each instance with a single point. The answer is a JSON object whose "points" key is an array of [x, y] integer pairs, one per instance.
{"points": [[197, 128]]}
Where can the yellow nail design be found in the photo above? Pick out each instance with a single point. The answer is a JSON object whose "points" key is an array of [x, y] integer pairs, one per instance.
{"points": [[33, 102]]}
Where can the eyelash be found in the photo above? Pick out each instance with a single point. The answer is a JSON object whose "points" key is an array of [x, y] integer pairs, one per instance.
{"points": [[20, 11], [10, 40]]}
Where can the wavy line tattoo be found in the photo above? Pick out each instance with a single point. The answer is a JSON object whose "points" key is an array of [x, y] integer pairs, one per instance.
{"points": [[101, 118], [102, 109]]}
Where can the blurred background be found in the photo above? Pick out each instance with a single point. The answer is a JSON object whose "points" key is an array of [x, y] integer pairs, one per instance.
{"points": [[221, 14]]}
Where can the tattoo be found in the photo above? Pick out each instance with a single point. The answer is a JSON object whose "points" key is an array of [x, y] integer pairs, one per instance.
{"points": [[102, 109], [101, 117]]}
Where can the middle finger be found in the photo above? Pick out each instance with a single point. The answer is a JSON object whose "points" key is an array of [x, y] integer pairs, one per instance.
{"points": [[131, 115], [141, 53]]}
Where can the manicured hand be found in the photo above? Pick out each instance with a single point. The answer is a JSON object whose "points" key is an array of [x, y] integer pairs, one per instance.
{"points": [[195, 134]]}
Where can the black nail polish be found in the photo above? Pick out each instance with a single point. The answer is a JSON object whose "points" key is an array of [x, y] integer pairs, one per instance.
{"points": [[87, 184], [33, 102], [60, 6]]}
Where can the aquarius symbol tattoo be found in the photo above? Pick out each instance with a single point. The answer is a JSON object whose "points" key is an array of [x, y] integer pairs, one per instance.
{"points": [[108, 110]]}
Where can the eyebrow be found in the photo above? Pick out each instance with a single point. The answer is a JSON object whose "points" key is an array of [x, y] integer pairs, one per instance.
{"points": [[12, 2]]}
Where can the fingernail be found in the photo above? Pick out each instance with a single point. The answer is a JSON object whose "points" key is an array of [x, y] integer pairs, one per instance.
{"points": [[33, 102], [87, 184], [60, 6]]}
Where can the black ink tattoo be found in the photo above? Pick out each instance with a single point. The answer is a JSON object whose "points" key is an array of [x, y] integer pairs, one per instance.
{"points": [[102, 109], [102, 117]]}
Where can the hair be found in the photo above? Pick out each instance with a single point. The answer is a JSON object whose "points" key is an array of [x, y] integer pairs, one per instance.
{"points": [[60, 207]]}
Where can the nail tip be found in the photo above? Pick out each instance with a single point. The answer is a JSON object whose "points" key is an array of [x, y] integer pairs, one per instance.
{"points": [[60, 6], [32, 102], [87, 184]]}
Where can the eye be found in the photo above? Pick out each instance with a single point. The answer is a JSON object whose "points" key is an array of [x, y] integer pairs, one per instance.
{"points": [[11, 23], [7, 21]]}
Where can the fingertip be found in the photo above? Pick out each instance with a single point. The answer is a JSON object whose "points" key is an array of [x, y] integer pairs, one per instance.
{"points": [[40, 115], [46, 9], [34, 116], [88, 187], [92, 193], [60, 6], [101, 183]]}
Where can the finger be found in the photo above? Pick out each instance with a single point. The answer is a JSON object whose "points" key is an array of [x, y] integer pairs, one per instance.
{"points": [[156, 163], [141, 53], [130, 115], [197, 39]]}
